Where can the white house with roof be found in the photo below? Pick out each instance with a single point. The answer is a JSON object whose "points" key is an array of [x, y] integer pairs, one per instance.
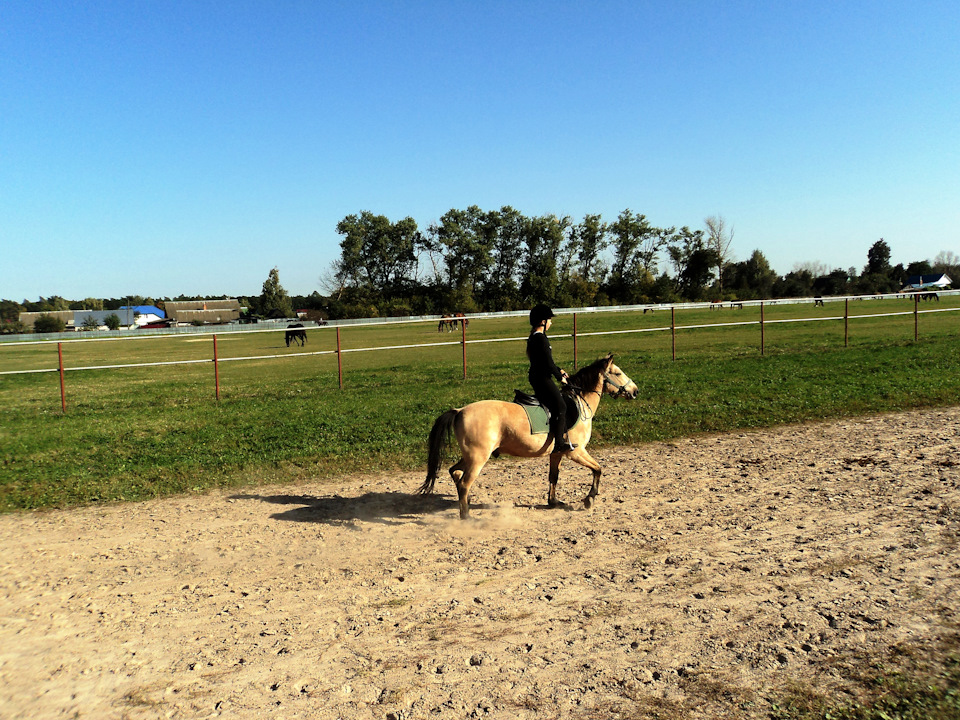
{"points": [[928, 282]]}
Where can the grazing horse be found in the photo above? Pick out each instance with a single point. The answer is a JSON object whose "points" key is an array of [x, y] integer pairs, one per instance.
{"points": [[447, 323], [462, 318], [296, 333], [492, 427]]}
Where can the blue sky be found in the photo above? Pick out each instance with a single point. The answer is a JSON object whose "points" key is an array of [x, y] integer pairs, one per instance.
{"points": [[160, 148]]}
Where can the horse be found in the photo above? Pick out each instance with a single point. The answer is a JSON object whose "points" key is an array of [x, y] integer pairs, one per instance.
{"points": [[446, 322], [298, 336], [492, 427], [462, 318]]}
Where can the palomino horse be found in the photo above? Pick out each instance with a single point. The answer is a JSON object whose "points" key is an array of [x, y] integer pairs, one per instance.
{"points": [[492, 426]]}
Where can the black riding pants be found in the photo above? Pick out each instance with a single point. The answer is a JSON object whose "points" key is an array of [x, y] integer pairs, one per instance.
{"points": [[549, 395]]}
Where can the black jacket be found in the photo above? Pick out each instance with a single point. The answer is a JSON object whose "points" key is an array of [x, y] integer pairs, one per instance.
{"points": [[540, 353]]}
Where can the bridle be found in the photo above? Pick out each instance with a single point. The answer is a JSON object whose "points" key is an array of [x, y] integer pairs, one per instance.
{"points": [[621, 389]]}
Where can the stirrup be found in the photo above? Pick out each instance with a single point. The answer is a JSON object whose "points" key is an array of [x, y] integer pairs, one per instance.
{"points": [[565, 446]]}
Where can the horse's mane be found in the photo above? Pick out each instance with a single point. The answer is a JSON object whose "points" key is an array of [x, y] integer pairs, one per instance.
{"points": [[588, 377]]}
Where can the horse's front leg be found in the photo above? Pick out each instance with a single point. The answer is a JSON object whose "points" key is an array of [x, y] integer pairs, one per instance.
{"points": [[555, 459], [582, 457]]}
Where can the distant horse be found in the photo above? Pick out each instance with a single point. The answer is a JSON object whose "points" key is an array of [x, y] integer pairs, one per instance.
{"points": [[451, 322], [492, 427], [446, 323], [298, 336]]}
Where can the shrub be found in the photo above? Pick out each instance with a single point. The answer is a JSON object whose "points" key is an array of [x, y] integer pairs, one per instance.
{"points": [[48, 324]]}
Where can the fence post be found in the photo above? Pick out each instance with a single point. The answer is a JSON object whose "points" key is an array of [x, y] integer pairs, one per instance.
{"points": [[63, 390], [339, 360], [673, 331], [762, 336], [216, 366], [574, 342], [463, 344], [846, 322]]}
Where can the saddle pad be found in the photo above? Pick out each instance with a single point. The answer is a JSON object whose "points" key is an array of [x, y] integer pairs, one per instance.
{"points": [[538, 416]]}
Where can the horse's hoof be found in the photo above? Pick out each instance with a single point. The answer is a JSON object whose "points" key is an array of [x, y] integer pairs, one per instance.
{"points": [[587, 503]]}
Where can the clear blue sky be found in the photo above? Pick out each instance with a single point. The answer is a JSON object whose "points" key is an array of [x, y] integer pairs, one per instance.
{"points": [[169, 147]]}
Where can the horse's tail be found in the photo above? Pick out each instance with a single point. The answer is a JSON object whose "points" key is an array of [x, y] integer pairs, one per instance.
{"points": [[436, 445]]}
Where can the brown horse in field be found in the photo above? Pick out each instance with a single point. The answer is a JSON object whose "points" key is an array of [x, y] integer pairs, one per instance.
{"points": [[494, 426]]}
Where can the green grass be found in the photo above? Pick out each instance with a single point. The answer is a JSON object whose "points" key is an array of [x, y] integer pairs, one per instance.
{"points": [[149, 432], [911, 683]]}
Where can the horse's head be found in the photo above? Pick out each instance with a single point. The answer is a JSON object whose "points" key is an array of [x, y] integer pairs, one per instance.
{"points": [[616, 383], [606, 377]]}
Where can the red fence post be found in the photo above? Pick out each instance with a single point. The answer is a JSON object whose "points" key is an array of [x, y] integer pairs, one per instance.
{"points": [[63, 390], [339, 360], [216, 366]]}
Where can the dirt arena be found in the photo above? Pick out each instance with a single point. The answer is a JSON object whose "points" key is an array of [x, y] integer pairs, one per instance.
{"points": [[713, 573]]}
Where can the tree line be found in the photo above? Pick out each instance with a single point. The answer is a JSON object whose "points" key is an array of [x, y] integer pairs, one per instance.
{"points": [[474, 260]]}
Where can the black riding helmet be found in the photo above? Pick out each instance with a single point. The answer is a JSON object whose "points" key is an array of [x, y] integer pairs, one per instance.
{"points": [[539, 314]]}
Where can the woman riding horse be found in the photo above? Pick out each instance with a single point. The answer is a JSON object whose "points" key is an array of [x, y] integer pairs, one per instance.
{"points": [[542, 372], [493, 426]]}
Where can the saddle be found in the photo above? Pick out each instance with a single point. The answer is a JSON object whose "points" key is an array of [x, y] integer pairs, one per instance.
{"points": [[539, 415]]}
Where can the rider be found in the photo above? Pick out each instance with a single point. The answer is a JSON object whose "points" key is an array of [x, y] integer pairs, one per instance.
{"points": [[542, 371]]}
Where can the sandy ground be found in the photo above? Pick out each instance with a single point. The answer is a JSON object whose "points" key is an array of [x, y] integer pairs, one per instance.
{"points": [[712, 573]]}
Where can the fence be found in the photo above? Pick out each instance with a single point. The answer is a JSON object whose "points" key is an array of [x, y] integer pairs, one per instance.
{"points": [[463, 342]]}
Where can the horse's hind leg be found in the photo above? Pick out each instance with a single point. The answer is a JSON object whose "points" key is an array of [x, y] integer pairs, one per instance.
{"points": [[555, 459], [463, 474]]}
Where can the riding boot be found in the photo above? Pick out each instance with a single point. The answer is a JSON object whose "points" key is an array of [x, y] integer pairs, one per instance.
{"points": [[560, 441]]}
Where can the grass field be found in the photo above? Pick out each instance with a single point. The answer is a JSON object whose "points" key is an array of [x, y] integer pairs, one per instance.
{"points": [[142, 432]]}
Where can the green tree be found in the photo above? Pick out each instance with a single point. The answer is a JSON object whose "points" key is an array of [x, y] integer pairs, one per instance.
{"points": [[112, 321], [636, 246], [798, 283], [591, 236], [836, 282], [751, 279], [919, 267], [10, 311], [274, 301], [542, 241], [691, 259], [466, 240], [376, 256], [49, 324], [90, 323], [878, 259], [500, 288]]}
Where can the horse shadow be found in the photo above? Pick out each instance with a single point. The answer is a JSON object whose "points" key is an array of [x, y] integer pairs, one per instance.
{"points": [[391, 508]]}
